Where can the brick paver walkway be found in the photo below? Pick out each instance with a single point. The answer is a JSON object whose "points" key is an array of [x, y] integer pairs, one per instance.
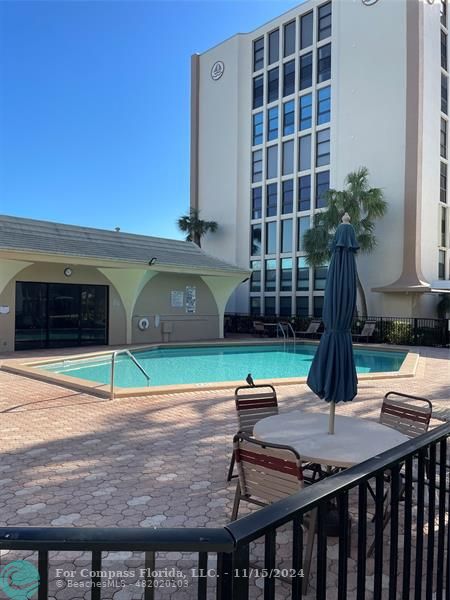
{"points": [[161, 461]]}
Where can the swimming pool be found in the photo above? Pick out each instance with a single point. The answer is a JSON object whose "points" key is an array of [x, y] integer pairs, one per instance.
{"points": [[215, 363]]}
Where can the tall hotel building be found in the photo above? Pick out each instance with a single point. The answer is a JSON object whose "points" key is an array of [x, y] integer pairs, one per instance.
{"points": [[281, 114]]}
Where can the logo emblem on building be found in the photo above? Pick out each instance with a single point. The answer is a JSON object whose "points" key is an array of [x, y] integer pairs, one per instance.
{"points": [[217, 70]]}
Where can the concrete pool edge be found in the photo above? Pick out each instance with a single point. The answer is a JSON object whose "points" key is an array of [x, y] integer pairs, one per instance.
{"points": [[29, 368]]}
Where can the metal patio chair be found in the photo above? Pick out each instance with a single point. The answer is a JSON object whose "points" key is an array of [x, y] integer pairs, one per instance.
{"points": [[267, 473], [253, 403], [411, 416]]}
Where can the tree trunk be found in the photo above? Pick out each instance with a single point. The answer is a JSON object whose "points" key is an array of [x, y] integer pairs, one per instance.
{"points": [[197, 240], [362, 296]]}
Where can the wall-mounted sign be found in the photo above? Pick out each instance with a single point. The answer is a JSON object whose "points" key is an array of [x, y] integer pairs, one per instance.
{"points": [[4, 310], [217, 70], [176, 299], [191, 299]]}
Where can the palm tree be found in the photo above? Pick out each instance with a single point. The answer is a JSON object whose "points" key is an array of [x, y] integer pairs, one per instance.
{"points": [[194, 227], [364, 205]]}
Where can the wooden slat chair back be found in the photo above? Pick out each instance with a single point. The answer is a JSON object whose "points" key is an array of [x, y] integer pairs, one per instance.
{"points": [[254, 403], [408, 414]]}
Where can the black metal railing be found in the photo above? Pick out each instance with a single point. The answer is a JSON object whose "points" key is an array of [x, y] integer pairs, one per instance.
{"points": [[407, 331], [398, 534]]}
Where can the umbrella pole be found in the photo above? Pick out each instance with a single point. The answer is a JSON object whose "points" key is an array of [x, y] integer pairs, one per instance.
{"points": [[331, 417]]}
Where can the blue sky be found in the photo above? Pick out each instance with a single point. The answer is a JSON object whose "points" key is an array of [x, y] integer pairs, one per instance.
{"points": [[94, 106]]}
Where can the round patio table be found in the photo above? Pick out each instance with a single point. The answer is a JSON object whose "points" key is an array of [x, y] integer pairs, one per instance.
{"points": [[354, 440]]}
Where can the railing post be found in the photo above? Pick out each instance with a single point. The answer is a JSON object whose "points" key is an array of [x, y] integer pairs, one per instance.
{"points": [[415, 332], [224, 576]]}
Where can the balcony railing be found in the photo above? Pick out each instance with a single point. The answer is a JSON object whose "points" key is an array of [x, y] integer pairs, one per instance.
{"points": [[396, 504]]}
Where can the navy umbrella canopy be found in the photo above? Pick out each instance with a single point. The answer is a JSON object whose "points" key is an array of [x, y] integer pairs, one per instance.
{"points": [[332, 375]]}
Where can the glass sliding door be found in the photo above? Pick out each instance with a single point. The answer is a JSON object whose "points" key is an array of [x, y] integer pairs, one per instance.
{"points": [[54, 315]]}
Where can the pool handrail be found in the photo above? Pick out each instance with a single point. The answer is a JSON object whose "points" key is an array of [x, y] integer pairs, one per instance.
{"points": [[282, 325], [113, 363]]}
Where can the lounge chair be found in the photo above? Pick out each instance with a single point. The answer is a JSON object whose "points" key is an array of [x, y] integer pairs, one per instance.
{"points": [[259, 328], [367, 332], [312, 330]]}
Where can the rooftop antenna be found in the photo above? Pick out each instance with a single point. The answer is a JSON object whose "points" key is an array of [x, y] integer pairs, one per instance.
{"points": [[117, 229]]}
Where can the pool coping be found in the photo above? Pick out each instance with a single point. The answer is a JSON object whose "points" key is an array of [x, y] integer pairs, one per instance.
{"points": [[28, 368]]}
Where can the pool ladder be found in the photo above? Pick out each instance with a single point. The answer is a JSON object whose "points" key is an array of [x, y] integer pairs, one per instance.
{"points": [[285, 327], [113, 365]]}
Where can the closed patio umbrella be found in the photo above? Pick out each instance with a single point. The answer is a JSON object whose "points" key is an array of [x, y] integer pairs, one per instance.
{"points": [[332, 375]]}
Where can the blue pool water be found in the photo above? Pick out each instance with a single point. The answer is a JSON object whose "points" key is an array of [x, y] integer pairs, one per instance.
{"points": [[170, 366]]}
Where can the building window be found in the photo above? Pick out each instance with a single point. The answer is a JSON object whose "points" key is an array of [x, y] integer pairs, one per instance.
{"points": [[255, 281], [272, 85], [272, 123], [305, 119], [256, 203], [274, 46], [272, 200], [320, 277], [288, 157], [324, 63], [271, 237], [285, 306], [289, 78], [323, 148], [271, 275], [287, 204], [258, 54], [306, 30], [324, 24], [255, 248], [302, 275], [286, 236], [441, 265], [255, 306], [443, 50], [288, 117], [272, 162], [286, 275], [444, 93], [324, 105], [257, 129], [304, 153], [443, 138], [317, 306], [258, 91], [444, 227], [304, 193], [257, 166], [322, 187], [444, 13], [303, 226], [443, 196], [306, 71], [289, 39], [269, 306], [302, 306]]}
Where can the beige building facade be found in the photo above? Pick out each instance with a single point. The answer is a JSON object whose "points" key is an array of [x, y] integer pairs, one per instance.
{"points": [[283, 113], [63, 286]]}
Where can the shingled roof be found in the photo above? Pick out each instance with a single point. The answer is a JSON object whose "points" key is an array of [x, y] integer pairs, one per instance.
{"points": [[45, 237]]}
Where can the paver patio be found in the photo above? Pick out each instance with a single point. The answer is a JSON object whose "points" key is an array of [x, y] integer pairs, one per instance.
{"points": [[73, 459]]}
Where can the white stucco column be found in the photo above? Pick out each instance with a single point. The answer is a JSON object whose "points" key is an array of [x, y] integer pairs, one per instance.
{"points": [[129, 283], [9, 269], [222, 288]]}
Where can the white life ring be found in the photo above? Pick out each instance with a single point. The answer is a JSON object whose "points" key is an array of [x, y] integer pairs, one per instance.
{"points": [[143, 324]]}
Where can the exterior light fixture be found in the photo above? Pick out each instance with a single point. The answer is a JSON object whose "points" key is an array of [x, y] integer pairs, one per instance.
{"points": [[152, 261]]}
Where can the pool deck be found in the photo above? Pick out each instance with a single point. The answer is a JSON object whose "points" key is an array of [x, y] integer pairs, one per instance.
{"points": [[29, 367], [71, 458]]}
